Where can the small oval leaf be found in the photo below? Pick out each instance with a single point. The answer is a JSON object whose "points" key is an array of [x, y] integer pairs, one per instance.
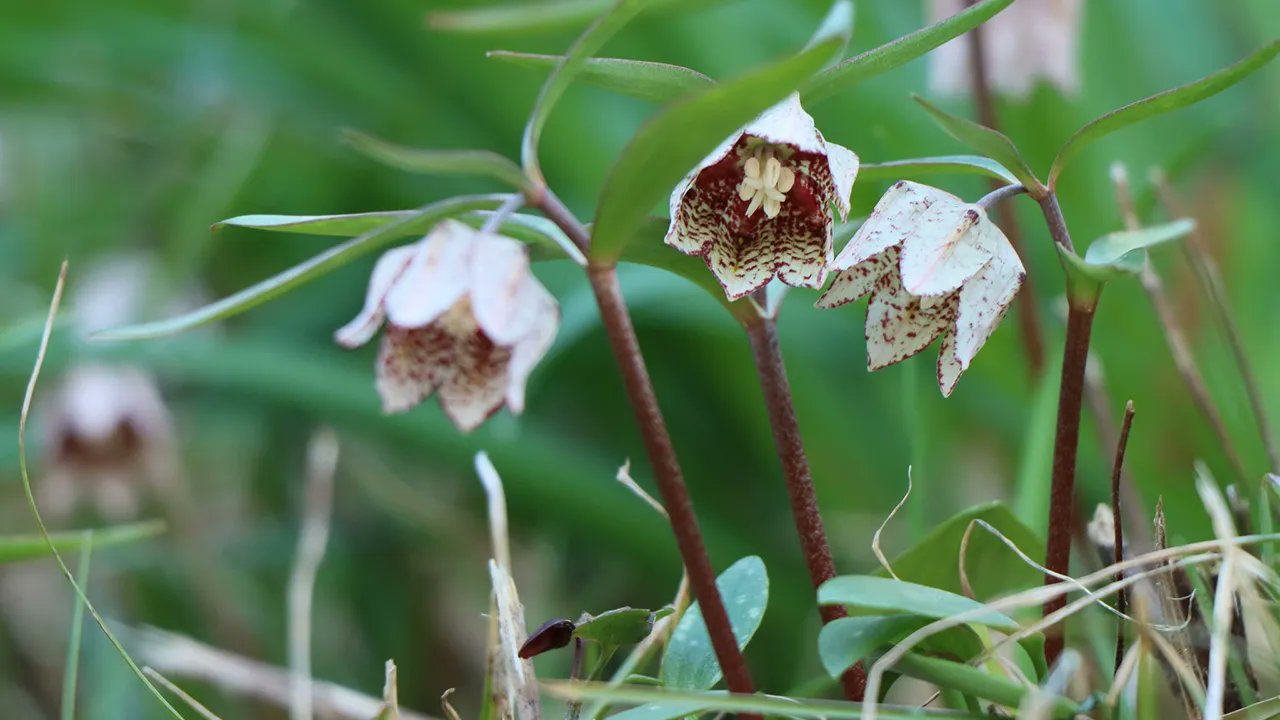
{"points": [[988, 142], [621, 626], [1112, 249], [652, 81], [690, 662]]}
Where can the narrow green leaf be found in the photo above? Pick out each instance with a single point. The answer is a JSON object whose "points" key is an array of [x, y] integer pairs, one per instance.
{"points": [[680, 136], [563, 75], [620, 626], [1114, 248], [883, 595], [16, 548], [838, 23], [1161, 103], [520, 17], [545, 239], [71, 669], [846, 641], [690, 662], [661, 711], [884, 58], [973, 681], [348, 225], [988, 142], [439, 162], [652, 81], [992, 567], [942, 164], [419, 222]]}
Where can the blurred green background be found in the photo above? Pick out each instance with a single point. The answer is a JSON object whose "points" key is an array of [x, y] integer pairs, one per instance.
{"points": [[131, 125]]}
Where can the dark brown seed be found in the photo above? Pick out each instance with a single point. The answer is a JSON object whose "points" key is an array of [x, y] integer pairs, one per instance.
{"points": [[553, 634]]}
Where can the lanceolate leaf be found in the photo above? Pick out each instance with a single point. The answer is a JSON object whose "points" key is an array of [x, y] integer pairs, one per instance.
{"points": [[675, 140], [988, 142], [545, 239], [886, 57], [441, 162], [690, 662], [16, 548], [652, 81], [881, 595], [521, 17], [1161, 103], [563, 75], [942, 164], [1113, 248], [336, 225], [332, 259]]}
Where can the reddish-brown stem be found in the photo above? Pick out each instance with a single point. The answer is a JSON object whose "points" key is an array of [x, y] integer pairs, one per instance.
{"points": [[984, 102], [763, 334], [1117, 466]]}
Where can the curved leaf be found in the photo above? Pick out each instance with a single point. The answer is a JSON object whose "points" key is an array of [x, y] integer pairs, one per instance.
{"points": [[563, 73], [440, 162], [838, 23], [848, 640], [675, 140], [652, 81], [545, 239], [884, 595], [1160, 103], [347, 225], [690, 662], [886, 57], [1113, 248], [989, 142], [941, 164], [620, 626], [418, 222], [521, 17], [16, 548]]}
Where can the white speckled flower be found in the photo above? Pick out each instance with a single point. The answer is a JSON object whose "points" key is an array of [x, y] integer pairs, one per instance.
{"points": [[934, 266], [465, 318], [761, 205], [1031, 40]]}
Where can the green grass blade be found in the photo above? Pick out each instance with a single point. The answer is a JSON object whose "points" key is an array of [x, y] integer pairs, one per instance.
{"points": [[438, 162], [939, 165], [16, 548], [675, 140], [564, 73], [25, 476], [71, 670], [191, 702], [972, 681], [347, 225], [884, 58], [320, 265], [640, 79], [1161, 103], [988, 142]]}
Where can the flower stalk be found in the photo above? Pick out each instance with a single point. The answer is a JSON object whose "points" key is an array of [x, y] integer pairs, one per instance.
{"points": [[657, 440], [762, 331]]}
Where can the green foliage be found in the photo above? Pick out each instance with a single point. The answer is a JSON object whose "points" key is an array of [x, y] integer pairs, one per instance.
{"points": [[652, 81], [848, 640], [674, 141], [620, 626], [988, 142], [16, 548], [867, 593], [442, 162], [690, 662], [939, 165]]}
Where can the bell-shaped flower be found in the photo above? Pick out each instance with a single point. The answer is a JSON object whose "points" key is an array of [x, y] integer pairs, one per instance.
{"points": [[465, 319], [934, 266], [761, 204], [1029, 41]]}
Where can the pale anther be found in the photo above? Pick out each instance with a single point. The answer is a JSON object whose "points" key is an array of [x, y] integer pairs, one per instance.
{"points": [[766, 186]]}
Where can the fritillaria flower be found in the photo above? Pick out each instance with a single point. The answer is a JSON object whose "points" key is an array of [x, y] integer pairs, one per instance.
{"points": [[1028, 41], [465, 319], [761, 205], [934, 266]]}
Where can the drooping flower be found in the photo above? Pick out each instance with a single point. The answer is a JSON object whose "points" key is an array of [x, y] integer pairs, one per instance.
{"points": [[1031, 40], [465, 319], [760, 205], [934, 266]]}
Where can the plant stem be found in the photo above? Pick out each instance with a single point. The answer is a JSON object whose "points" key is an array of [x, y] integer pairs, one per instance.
{"points": [[763, 334], [984, 102], [1075, 353], [574, 708], [1122, 598]]}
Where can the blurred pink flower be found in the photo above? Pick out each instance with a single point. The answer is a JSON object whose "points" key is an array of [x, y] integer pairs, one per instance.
{"points": [[465, 317], [1028, 41], [935, 266], [760, 205]]}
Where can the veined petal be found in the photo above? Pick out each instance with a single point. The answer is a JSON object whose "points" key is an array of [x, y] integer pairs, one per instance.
{"points": [[386, 273], [844, 165], [853, 283], [787, 123], [476, 384], [892, 219], [499, 278], [941, 252], [742, 265], [435, 279], [526, 353], [897, 327], [411, 364], [693, 207], [800, 242], [949, 366], [985, 298]]}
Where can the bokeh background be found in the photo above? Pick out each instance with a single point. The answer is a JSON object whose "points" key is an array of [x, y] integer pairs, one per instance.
{"points": [[128, 126]]}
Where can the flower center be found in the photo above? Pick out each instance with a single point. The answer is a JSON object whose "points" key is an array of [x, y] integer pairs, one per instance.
{"points": [[459, 320], [765, 182]]}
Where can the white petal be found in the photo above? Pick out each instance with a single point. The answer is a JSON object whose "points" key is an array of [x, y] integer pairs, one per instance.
{"points": [[499, 273], [386, 273], [704, 213], [411, 363], [844, 171], [788, 124], [897, 327], [526, 353], [942, 251], [679, 233], [1028, 41], [949, 367], [436, 277], [888, 225], [853, 283], [986, 296], [800, 248], [741, 265]]}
